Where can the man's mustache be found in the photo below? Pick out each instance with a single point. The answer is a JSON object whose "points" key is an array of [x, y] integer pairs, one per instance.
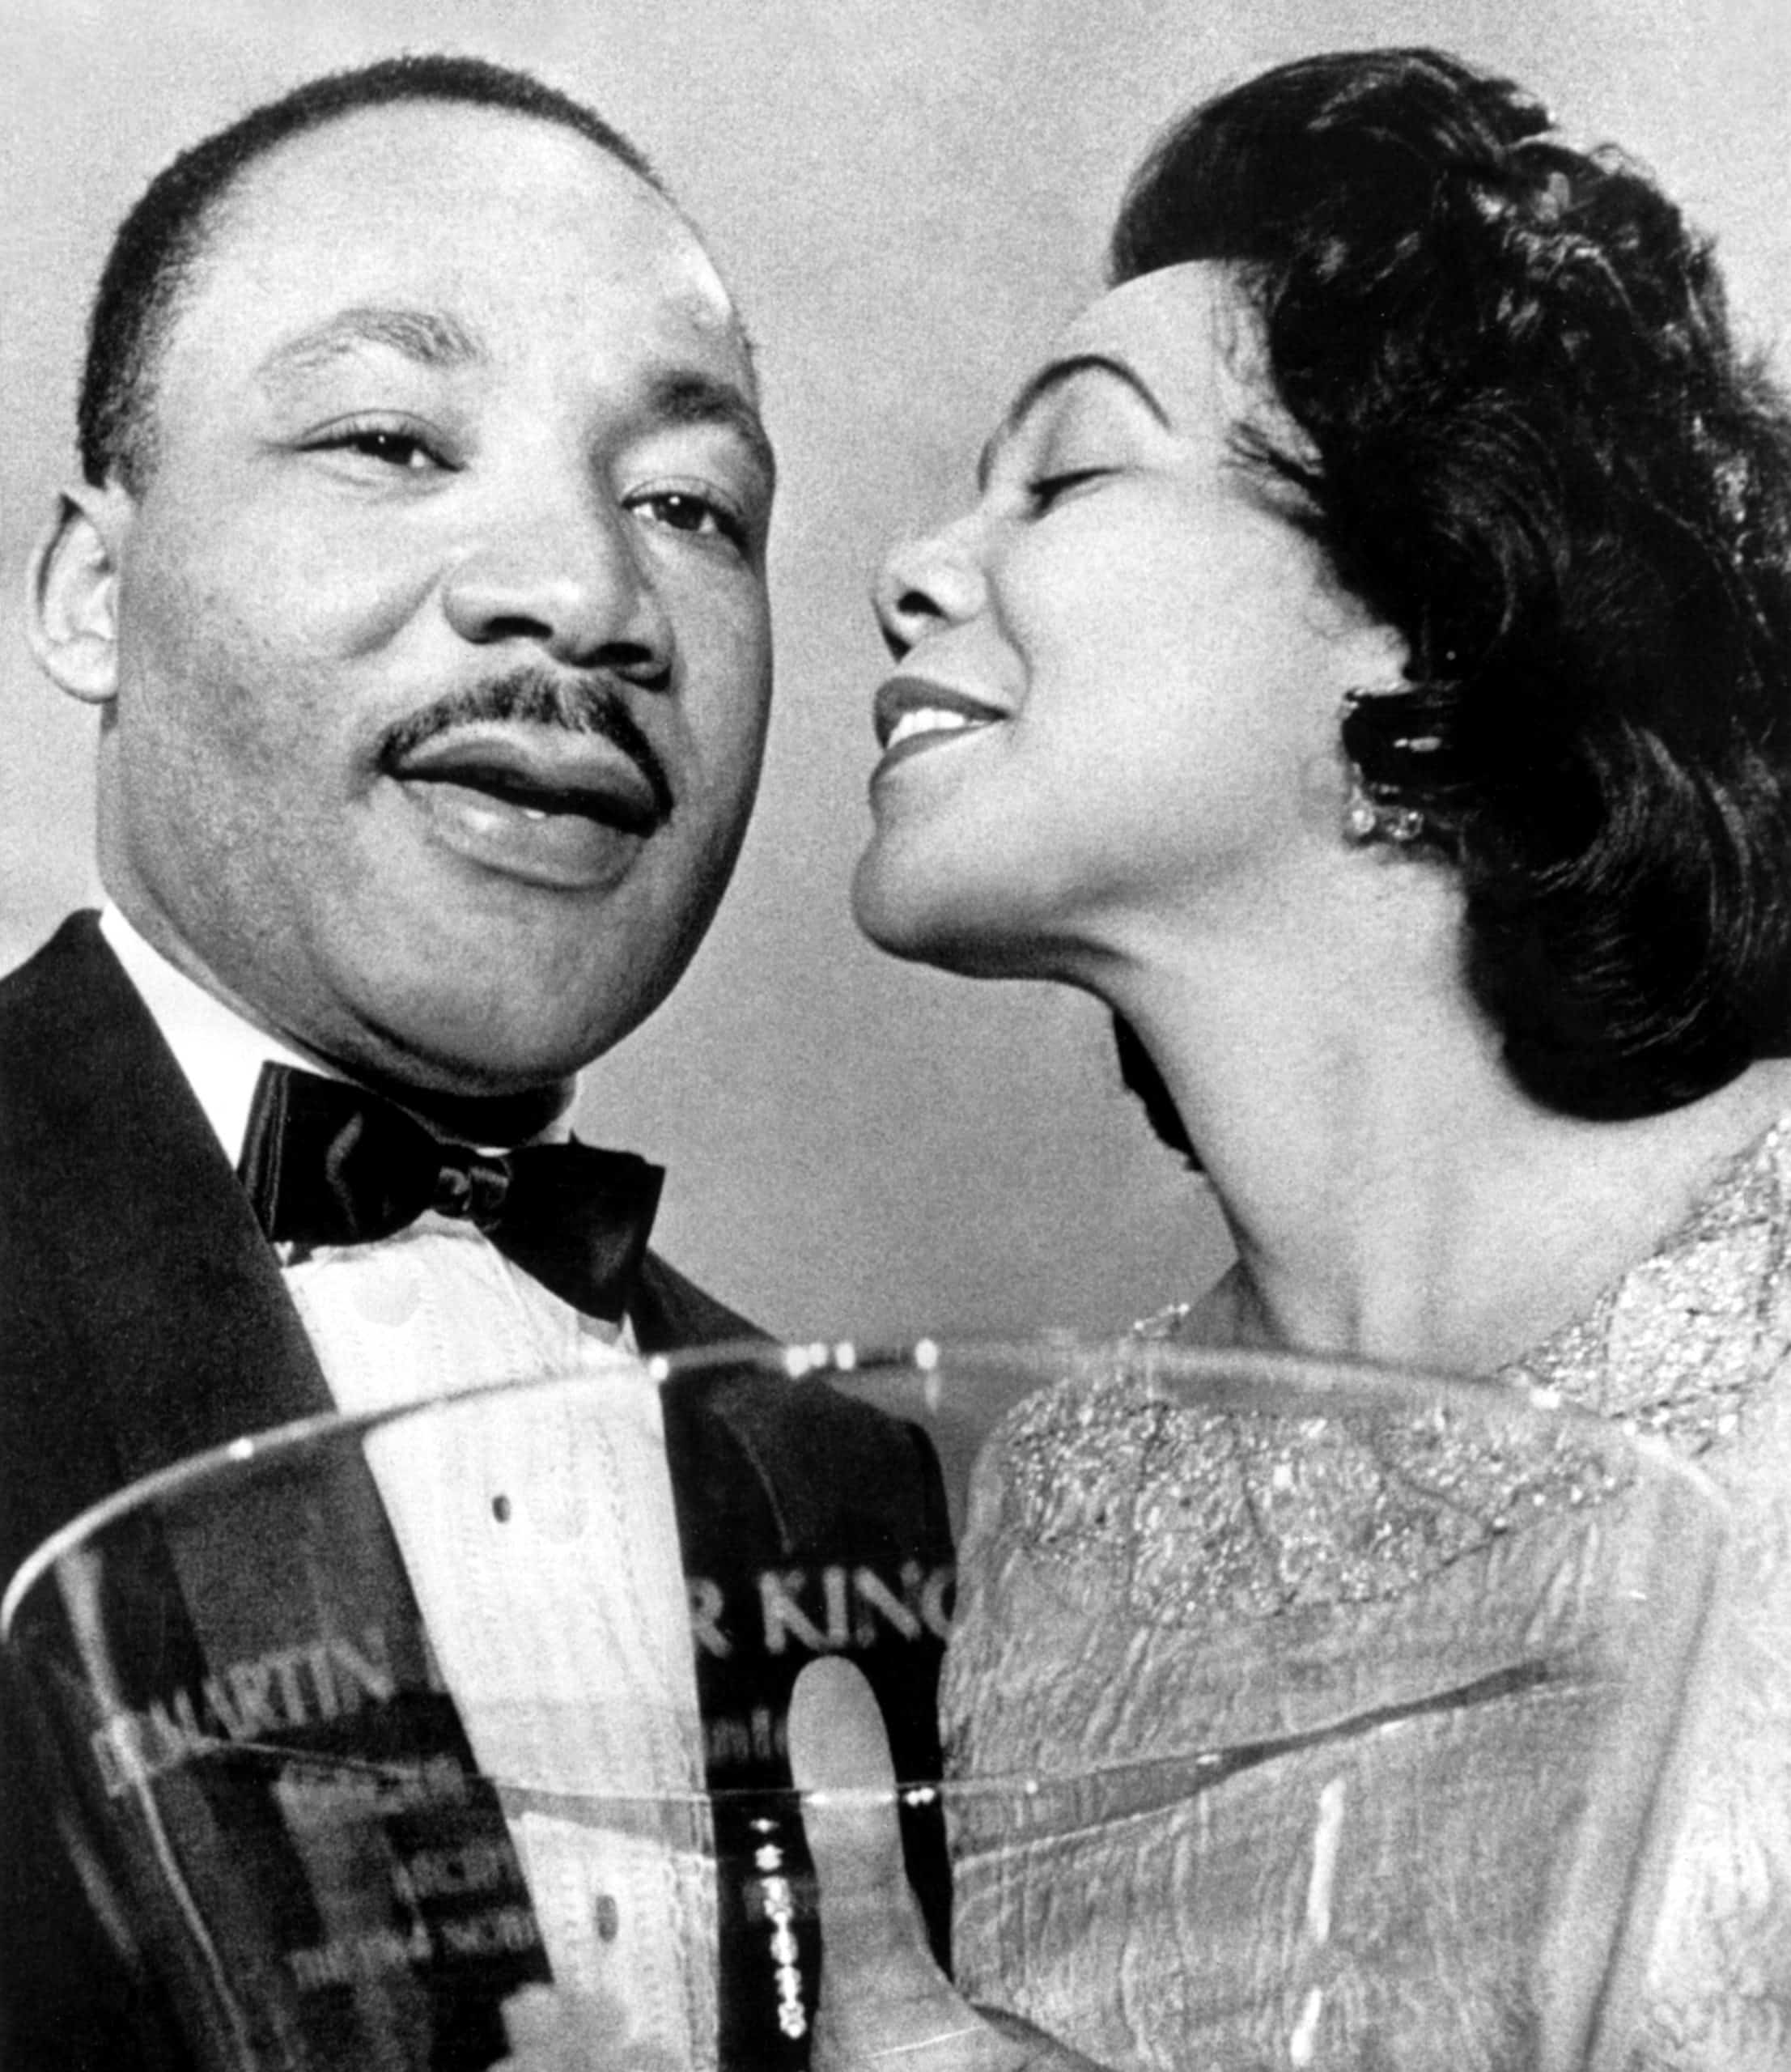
{"points": [[537, 698]]}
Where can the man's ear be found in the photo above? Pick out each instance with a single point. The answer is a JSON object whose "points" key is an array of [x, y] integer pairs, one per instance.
{"points": [[72, 599]]}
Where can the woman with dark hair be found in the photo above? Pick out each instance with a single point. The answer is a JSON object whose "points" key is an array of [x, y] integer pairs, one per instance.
{"points": [[1366, 668]]}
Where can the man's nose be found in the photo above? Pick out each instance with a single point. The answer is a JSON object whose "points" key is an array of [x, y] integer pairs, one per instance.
{"points": [[928, 585], [569, 579]]}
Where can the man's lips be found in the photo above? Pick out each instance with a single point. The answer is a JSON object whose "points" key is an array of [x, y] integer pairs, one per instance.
{"points": [[542, 771], [914, 713], [553, 807]]}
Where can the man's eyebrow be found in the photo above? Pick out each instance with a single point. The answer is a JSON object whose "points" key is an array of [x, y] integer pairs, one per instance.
{"points": [[686, 398], [1052, 376], [426, 336]]}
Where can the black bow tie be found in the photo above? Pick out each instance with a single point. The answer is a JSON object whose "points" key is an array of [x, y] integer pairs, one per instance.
{"points": [[328, 1163]]}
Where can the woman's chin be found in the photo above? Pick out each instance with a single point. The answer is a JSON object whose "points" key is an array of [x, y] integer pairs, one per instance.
{"points": [[915, 923], [901, 933], [896, 907]]}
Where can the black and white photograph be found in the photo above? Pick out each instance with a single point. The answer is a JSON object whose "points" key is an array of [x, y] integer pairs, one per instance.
{"points": [[895, 1036]]}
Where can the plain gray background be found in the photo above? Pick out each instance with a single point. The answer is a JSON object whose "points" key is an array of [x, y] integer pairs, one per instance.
{"points": [[909, 197]]}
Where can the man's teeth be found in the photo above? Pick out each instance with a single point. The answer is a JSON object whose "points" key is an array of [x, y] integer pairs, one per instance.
{"points": [[928, 720]]}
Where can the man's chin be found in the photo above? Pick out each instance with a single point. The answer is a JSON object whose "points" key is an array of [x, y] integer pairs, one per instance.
{"points": [[438, 1056], [506, 1043], [431, 1043]]}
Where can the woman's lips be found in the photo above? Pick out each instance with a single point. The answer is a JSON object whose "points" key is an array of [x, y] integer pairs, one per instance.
{"points": [[913, 713], [567, 811]]}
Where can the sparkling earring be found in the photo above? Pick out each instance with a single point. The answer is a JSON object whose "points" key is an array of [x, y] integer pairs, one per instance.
{"points": [[1375, 810], [1366, 819]]}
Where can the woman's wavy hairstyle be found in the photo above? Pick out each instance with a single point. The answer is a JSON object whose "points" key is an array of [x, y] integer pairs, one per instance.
{"points": [[1528, 442]]}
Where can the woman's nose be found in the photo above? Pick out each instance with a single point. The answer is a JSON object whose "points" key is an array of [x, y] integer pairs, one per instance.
{"points": [[569, 580], [929, 584]]}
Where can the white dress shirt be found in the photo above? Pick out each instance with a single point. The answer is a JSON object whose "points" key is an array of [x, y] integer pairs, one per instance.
{"points": [[541, 1544]]}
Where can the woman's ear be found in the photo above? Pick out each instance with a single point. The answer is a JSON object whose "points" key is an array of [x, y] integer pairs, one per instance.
{"points": [[72, 600]]}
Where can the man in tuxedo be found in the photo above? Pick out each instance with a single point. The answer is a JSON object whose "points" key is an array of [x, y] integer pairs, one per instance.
{"points": [[417, 573]]}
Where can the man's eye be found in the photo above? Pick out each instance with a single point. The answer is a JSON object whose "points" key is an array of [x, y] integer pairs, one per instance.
{"points": [[685, 510], [391, 445]]}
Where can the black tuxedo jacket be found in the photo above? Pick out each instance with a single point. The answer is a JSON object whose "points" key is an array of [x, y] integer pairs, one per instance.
{"points": [[143, 1318]]}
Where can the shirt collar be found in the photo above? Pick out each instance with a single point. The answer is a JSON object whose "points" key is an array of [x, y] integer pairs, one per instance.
{"points": [[221, 1053]]}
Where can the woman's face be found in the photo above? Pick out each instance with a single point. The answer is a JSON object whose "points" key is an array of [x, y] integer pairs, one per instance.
{"points": [[1116, 703]]}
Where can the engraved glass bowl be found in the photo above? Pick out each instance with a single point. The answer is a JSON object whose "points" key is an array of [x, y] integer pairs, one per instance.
{"points": [[1296, 1715]]}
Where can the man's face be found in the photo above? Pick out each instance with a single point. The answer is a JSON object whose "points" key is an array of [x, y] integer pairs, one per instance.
{"points": [[443, 656]]}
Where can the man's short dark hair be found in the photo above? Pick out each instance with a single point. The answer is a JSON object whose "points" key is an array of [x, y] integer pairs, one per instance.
{"points": [[160, 242], [1527, 439]]}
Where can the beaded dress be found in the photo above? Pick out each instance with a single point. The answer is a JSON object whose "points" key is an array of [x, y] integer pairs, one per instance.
{"points": [[1085, 1628]]}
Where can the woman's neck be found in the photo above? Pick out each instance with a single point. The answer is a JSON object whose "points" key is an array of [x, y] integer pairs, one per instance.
{"points": [[1392, 1193]]}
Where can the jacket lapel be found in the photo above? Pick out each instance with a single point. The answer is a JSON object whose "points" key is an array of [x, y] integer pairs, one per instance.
{"points": [[176, 1335], [179, 1334]]}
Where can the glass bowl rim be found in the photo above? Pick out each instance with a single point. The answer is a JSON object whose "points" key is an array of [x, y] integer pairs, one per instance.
{"points": [[1349, 1381]]}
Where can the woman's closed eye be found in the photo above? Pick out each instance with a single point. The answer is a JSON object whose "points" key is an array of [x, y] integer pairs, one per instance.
{"points": [[1043, 492]]}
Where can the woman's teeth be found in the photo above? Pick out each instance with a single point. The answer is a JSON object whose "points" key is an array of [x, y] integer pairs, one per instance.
{"points": [[928, 720]]}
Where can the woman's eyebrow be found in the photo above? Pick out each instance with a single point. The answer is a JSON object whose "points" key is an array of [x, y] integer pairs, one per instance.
{"points": [[1051, 376]]}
